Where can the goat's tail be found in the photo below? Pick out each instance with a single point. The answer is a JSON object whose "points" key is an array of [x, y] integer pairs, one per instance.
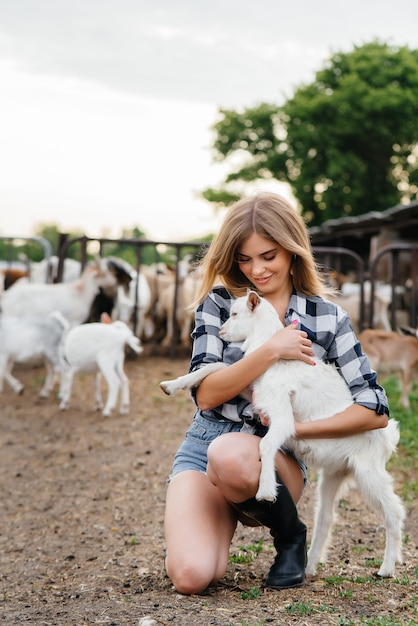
{"points": [[58, 316], [392, 433], [135, 344]]}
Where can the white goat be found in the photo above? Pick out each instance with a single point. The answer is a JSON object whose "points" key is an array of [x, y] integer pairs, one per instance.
{"points": [[100, 349], [31, 339], [291, 390], [73, 299], [39, 271], [137, 298]]}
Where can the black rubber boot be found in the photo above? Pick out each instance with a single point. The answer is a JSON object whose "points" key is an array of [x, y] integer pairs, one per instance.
{"points": [[289, 535]]}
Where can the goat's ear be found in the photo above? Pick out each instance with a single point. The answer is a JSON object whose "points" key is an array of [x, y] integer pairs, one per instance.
{"points": [[105, 318], [253, 300]]}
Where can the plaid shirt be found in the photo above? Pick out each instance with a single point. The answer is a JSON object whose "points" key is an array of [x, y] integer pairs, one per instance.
{"points": [[326, 324]]}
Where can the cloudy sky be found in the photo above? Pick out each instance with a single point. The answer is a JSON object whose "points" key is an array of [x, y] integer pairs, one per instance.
{"points": [[106, 105]]}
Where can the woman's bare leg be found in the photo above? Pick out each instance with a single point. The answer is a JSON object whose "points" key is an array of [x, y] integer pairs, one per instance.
{"points": [[199, 526], [234, 467]]}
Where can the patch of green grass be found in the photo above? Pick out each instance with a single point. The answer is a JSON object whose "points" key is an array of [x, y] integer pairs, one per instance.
{"points": [[361, 549], [246, 553], [251, 594], [373, 562], [374, 580], [307, 608]]}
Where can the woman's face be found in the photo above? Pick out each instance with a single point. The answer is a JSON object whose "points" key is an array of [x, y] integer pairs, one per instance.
{"points": [[265, 263]]}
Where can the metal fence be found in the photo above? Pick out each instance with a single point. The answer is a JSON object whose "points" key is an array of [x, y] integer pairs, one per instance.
{"points": [[335, 258]]}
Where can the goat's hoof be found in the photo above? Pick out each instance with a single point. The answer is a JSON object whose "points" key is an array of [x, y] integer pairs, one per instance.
{"points": [[166, 387], [385, 572], [267, 497], [124, 410]]}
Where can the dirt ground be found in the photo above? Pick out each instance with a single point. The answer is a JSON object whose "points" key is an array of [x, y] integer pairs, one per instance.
{"points": [[81, 524]]}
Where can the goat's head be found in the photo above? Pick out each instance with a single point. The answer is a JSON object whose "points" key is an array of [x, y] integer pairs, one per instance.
{"points": [[252, 318], [242, 318]]}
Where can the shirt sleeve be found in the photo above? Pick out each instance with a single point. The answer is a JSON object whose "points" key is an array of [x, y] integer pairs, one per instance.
{"points": [[208, 347], [346, 352]]}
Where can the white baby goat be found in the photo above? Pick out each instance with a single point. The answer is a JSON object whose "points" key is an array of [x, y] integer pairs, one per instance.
{"points": [[98, 348], [291, 390]]}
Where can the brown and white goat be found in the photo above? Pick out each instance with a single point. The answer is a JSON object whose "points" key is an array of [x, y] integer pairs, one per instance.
{"points": [[392, 353]]}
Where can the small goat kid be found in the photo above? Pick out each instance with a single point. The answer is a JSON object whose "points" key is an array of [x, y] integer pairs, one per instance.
{"points": [[100, 349], [291, 390]]}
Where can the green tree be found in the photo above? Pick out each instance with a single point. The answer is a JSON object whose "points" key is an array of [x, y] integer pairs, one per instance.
{"points": [[346, 143]]}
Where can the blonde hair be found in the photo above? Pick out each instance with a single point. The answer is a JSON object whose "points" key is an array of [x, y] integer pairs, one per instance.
{"points": [[271, 216]]}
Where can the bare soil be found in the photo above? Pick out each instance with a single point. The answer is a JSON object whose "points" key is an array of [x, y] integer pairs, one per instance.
{"points": [[81, 524]]}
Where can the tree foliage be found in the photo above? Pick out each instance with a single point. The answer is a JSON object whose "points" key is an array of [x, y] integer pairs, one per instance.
{"points": [[346, 143]]}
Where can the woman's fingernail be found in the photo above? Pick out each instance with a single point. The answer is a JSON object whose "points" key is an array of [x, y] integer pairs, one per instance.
{"points": [[295, 322]]}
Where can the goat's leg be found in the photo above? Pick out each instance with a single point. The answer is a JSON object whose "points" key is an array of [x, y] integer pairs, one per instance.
{"points": [[406, 386], [124, 385], [166, 342], [7, 366], [188, 381], [98, 391], [67, 377], [376, 486], [108, 370], [329, 484], [281, 428], [186, 330], [49, 379]]}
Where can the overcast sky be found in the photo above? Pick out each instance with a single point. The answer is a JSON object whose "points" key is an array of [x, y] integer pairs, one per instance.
{"points": [[106, 105]]}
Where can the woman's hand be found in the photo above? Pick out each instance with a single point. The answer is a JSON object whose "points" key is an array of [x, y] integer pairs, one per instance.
{"points": [[291, 343]]}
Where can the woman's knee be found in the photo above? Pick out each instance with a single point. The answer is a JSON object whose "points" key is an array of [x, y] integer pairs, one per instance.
{"points": [[234, 457], [187, 578], [193, 575]]}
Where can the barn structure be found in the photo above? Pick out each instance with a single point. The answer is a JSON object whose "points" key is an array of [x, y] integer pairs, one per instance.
{"points": [[366, 234]]}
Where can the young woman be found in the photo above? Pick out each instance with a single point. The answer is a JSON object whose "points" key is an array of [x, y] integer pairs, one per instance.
{"points": [[263, 244]]}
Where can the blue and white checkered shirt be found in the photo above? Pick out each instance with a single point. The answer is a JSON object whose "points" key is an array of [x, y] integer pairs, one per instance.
{"points": [[328, 327]]}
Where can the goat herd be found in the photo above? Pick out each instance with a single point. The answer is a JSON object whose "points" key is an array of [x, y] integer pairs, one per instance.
{"points": [[86, 322], [43, 319]]}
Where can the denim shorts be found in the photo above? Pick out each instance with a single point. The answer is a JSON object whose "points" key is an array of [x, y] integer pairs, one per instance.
{"points": [[193, 452]]}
